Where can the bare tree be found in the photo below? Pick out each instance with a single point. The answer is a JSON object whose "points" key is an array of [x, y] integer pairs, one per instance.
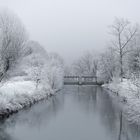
{"points": [[107, 65], [134, 61], [86, 65], [124, 34], [13, 37]]}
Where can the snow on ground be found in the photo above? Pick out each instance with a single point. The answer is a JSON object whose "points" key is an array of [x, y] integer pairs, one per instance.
{"points": [[15, 95], [128, 93]]}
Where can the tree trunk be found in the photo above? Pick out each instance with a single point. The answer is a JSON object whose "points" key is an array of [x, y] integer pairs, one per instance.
{"points": [[37, 82], [120, 130], [6, 68], [7, 65], [121, 66]]}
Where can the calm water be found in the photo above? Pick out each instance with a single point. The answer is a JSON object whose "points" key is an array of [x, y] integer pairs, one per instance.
{"points": [[77, 113]]}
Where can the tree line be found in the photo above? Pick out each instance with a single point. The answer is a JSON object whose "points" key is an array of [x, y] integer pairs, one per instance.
{"points": [[120, 59], [22, 57]]}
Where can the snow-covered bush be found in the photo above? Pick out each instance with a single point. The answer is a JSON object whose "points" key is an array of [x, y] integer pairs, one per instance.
{"points": [[52, 75], [34, 67], [53, 71], [42, 67]]}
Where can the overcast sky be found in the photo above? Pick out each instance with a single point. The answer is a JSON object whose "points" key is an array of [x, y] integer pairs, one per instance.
{"points": [[71, 27]]}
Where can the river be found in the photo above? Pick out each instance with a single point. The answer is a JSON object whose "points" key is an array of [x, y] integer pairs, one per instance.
{"points": [[75, 113]]}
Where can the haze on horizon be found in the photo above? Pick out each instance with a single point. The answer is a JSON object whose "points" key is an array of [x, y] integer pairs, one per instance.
{"points": [[70, 27]]}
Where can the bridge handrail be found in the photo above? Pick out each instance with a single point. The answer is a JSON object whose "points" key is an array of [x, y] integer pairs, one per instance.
{"points": [[80, 76]]}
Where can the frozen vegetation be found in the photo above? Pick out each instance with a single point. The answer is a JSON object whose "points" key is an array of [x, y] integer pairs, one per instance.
{"points": [[129, 94], [118, 66], [27, 72]]}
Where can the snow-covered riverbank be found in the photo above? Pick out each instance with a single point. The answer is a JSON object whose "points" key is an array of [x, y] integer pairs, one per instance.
{"points": [[28, 73], [129, 95], [15, 95]]}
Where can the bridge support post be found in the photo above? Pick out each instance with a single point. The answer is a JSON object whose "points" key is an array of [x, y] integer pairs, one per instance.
{"points": [[80, 80], [96, 79]]}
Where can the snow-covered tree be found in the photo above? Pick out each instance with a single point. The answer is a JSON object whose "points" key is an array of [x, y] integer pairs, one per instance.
{"points": [[53, 71], [108, 66], [86, 65], [124, 34], [35, 57], [13, 37], [35, 68], [42, 67]]}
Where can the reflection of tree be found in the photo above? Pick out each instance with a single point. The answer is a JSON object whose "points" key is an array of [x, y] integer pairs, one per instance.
{"points": [[113, 119], [93, 99], [130, 131], [3, 134], [120, 130], [35, 116], [86, 97], [108, 112]]}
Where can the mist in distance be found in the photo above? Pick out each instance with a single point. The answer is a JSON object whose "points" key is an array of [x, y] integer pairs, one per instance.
{"points": [[71, 27], [87, 52]]}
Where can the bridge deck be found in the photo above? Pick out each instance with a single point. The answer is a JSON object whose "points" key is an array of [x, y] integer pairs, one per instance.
{"points": [[81, 80]]}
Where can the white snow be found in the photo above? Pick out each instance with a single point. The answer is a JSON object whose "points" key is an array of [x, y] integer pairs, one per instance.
{"points": [[128, 93], [15, 95], [20, 87], [33, 78], [27, 72]]}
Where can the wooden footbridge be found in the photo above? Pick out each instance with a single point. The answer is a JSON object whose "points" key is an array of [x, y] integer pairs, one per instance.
{"points": [[82, 80]]}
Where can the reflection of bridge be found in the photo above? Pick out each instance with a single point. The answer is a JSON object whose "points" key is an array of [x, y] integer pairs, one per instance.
{"points": [[82, 80]]}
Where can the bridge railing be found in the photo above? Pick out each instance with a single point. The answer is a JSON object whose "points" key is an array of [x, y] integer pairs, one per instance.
{"points": [[80, 80]]}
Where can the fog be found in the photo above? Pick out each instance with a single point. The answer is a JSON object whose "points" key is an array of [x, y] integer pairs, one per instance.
{"points": [[71, 27]]}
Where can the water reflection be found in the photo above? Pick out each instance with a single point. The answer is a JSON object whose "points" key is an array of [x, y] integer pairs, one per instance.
{"points": [[110, 113], [35, 115], [88, 106], [3, 133]]}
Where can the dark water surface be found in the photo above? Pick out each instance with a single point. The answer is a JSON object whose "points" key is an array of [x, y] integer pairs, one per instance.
{"points": [[77, 113]]}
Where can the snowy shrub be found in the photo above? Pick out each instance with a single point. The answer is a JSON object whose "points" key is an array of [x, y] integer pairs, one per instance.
{"points": [[52, 75]]}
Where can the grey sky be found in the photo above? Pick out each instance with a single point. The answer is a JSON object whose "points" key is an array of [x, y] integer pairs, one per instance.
{"points": [[71, 27]]}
